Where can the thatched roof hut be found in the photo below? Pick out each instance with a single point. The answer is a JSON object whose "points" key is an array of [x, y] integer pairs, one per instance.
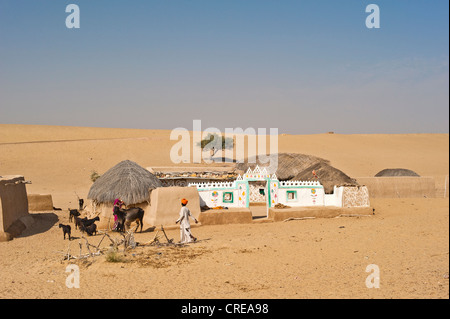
{"points": [[392, 172], [287, 166], [127, 181], [292, 166], [328, 176]]}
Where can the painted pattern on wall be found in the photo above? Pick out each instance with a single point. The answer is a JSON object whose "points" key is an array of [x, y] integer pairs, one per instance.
{"points": [[246, 189], [357, 196]]}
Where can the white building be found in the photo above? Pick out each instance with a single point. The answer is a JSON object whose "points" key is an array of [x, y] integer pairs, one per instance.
{"points": [[259, 186]]}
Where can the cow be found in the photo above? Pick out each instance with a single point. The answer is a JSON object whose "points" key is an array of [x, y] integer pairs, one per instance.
{"points": [[126, 216]]}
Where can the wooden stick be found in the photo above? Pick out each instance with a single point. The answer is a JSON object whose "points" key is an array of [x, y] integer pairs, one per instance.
{"points": [[155, 239], [353, 215], [124, 242], [104, 235], [87, 244], [68, 251], [168, 240], [109, 237], [298, 218]]}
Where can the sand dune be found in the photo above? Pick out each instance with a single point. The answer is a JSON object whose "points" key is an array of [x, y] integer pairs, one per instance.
{"points": [[323, 258]]}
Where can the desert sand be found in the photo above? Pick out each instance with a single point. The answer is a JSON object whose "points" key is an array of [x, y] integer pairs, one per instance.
{"points": [[408, 238]]}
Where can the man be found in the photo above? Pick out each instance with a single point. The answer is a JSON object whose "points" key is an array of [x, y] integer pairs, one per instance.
{"points": [[185, 226]]}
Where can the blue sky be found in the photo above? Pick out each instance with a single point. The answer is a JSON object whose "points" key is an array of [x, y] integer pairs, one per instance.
{"points": [[303, 67]]}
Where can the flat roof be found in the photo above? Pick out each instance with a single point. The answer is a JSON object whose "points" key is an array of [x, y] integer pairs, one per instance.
{"points": [[190, 169]]}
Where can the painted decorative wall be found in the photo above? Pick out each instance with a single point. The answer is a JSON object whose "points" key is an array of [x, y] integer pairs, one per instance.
{"points": [[259, 186]]}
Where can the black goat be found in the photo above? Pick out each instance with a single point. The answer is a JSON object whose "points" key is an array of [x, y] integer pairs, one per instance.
{"points": [[89, 222], [79, 221], [121, 217], [81, 203], [73, 213], [127, 216], [66, 230], [90, 230]]}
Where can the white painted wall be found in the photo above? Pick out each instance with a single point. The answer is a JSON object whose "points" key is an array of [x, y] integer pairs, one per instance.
{"points": [[305, 196], [334, 199], [206, 197]]}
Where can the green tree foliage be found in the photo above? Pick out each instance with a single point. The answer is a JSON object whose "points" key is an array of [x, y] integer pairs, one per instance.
{"points": [[217, 142]]}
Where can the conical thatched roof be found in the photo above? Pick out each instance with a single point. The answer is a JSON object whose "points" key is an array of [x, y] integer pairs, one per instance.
{"points": [[328, 175], [127, 181], [389, 172], [287, 166]]}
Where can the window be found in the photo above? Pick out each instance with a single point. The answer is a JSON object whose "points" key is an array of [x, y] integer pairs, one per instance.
{"points": [[291, 196], [228, 197]]}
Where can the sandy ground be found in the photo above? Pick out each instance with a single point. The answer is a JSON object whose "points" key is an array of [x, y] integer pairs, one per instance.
{"points": [[324, 258]]}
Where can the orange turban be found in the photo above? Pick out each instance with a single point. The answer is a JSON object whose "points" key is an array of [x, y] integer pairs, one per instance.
{"points": [[184, 201]]}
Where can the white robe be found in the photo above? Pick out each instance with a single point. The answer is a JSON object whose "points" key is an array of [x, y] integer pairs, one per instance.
{"points": [[185, 225]]}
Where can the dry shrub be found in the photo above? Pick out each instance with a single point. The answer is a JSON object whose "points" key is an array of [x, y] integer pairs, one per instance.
{"points": [[113, 256]]}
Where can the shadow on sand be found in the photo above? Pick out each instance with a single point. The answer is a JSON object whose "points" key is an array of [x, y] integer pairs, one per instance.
{"points": [[42, 223]]}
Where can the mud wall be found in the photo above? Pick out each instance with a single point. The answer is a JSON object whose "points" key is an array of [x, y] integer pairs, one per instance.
{"points": [[226, 216], [13, 205], [399, 187], [37, 202], [165, 205]]}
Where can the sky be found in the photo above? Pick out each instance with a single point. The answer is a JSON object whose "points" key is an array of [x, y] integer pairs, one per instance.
{"points": [[303, 67]]}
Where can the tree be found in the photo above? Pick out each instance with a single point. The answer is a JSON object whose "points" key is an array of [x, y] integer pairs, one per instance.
{"points": [[215, 142]]}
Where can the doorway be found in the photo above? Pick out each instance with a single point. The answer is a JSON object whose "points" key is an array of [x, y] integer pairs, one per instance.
{"points": [[258, 199]]}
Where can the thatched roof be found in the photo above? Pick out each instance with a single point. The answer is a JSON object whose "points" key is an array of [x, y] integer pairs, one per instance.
{"points": [[288, 165], [328, 175], [292, 166], [127, 181], [389, 172]]}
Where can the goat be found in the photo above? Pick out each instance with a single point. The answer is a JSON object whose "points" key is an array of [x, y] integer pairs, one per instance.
{"points": [[90, 230], [66, 230], [121, 217], [89, 222], [73, 213], [127, 216], [81, 203], [79, 221]]}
